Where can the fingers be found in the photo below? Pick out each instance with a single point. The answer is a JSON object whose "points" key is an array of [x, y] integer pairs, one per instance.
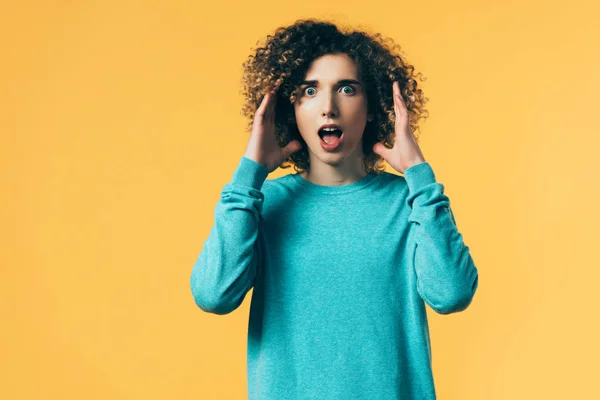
{"points": [[272, 101], [397, 95], [271, 107], [291, 148], [398, 100], [263, 106], [267, 105]]}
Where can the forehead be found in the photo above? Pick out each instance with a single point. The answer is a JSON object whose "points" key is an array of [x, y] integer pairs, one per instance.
{"points": [[332, 67]]}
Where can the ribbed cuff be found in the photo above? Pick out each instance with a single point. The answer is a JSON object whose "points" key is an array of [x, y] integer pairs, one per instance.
{"points": [[250, 173]]}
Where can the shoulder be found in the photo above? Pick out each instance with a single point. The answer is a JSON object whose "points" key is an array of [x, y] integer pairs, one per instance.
{"points": [[390, 181], [280, 185], [278, 190], [286, 186], [388, 177]]}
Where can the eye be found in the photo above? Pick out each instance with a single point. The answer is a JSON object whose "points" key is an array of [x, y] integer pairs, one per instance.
{"points": [[305, 91], [351, 87]]}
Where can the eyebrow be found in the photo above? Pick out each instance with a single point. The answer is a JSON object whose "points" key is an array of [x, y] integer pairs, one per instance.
{"points": [[340, 82]]}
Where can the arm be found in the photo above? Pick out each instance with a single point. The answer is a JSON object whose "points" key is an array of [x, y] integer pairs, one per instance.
{"points": [[446, 275], [226, 267]]}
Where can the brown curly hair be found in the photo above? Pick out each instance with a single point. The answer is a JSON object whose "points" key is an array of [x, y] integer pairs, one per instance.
{"points": [[286, 57]]}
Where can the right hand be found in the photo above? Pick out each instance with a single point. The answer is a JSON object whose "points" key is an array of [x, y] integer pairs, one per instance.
{"points": [[263, 146]]}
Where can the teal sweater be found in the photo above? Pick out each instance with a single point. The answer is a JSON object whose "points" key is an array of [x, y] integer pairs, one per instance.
{"points": [[341, 275]]}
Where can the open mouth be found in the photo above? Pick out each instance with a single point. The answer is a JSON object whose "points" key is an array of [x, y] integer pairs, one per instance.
{"points": [[331, 138], [330, 135]]}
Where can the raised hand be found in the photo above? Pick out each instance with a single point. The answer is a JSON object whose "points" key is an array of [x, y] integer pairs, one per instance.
{"points": [[263, 146], [406, 151]]}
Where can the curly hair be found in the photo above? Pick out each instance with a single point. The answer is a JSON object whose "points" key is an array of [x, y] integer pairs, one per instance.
{"points": [[286, 57]]}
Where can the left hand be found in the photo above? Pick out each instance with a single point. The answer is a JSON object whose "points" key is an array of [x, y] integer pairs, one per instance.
{"points": [[406, 151]]}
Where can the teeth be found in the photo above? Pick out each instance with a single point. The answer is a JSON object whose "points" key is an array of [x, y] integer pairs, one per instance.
{"points": [[330, 129]]}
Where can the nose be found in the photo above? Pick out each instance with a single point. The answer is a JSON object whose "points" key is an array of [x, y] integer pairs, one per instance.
{"points": [[329, 108]]}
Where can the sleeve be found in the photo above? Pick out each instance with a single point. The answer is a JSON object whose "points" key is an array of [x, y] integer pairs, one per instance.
{"points": [[225, 269], [446, 274]]}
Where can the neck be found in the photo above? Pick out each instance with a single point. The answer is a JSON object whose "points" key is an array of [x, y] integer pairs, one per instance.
{"points": [[324, 174]]}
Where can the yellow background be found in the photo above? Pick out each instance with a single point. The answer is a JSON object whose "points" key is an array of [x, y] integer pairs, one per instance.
{"points": [[120, 124]]}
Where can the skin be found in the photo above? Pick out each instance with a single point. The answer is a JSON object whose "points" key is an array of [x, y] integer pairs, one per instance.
{"points": [[329, 102], [406, 151], [263, 146]]}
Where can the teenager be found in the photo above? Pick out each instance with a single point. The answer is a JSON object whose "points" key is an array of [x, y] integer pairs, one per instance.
{"points": [[342, 255]]}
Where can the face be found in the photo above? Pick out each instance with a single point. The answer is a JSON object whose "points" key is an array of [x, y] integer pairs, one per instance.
{"points": [[332, 93]]}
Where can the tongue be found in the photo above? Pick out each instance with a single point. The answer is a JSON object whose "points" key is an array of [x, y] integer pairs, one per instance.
{"points": [[331, 139]]}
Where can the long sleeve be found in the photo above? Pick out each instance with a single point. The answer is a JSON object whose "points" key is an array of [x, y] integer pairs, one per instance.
{"points": [[226, 267], [446, 274]]}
